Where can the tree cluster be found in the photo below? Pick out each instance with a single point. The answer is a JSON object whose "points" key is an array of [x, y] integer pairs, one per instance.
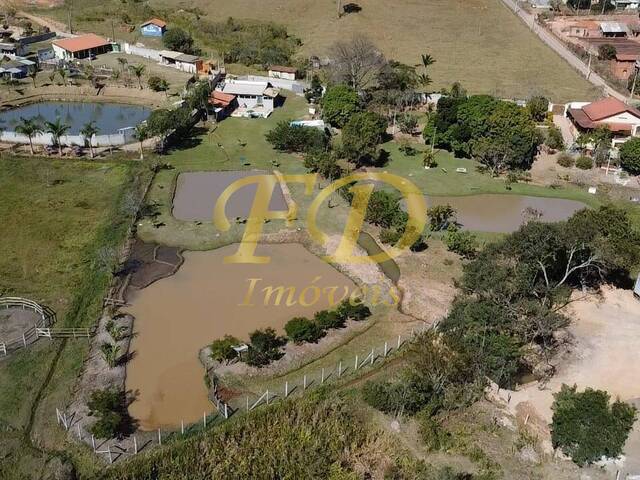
{"points": [[289, 137], [499, 134]]}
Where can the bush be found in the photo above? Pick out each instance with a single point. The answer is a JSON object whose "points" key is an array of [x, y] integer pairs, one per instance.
{"points": [[538, 107], [326, 319], [301, 330], [296, 138], [408, 123], [585, 426], [179, 40], [384, 210], [157, 84], [390, 236], [408, 149], [347, 311], [264, 347], [361, 135], [441, 216], [607, 52], [554, 138], [462, 242], [110, 408], [566, 160], [222, 349], [584, 163], [630, 156]]}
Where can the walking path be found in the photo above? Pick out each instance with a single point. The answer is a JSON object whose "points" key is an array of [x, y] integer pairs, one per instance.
{"points": [[548, 38]]}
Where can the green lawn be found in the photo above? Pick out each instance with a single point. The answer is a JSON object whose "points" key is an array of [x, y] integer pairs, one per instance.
{"points": [[57, 216]]}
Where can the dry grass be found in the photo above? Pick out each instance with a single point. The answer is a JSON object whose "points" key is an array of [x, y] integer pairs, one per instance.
{"points": [[479, 43]]}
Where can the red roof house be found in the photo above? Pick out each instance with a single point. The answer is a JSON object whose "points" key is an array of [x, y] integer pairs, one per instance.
{"points": [[82, 46], [610, 112]]}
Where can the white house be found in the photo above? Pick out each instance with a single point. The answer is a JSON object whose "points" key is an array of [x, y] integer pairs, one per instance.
{"points": [[82, 46], [255, 99], [278, 71], [181, 61]]}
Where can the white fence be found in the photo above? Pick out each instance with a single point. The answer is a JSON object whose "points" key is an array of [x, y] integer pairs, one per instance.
{"points": [[124, 135], [46, 318]]}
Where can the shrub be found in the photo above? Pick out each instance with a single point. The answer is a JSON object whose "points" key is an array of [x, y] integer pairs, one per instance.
{"points": [[537, 107], [361, 135], [554, 138], [607, 52], [630, 156], [110, 408], [385, 211], [296, 138], [222, 349], [157, 84], [441, 216], [179, 40], [584, 163], [586, 427], [326, 319], [264, 347], [301, 330], [408, 149], [566, 160], [408, 123], [462, 242], [347, 311], [390, 236]]}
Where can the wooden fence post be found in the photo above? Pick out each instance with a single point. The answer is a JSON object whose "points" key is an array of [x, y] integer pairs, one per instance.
{"points": [[356, 365], [304, 382], [372, 355], [386, 349], [286, 389], [135, 445], [398, 341], [322, 376], [159, 437]]}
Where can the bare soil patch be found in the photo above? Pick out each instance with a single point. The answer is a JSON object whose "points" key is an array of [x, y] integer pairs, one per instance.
{"points": [[14, 321]]}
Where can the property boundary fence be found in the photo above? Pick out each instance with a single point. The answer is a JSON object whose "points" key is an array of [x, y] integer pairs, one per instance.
{"points": [[114, 449], [30, 335]]}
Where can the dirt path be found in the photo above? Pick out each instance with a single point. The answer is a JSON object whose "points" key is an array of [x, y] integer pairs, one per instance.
{"points": [[52, 25]]}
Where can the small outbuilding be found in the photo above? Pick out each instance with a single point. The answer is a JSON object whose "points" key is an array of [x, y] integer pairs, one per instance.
{"points": [[614, 29], [83, 46], [222, 104], [181, 61], [623, 120], [255, 99], [278, 71], [153, 28]]}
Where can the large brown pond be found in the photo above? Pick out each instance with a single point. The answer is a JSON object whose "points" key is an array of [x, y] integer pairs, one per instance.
{"points": [[505, 213], [177, 316]]}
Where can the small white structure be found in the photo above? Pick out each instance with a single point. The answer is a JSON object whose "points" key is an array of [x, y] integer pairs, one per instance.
{"points": [[319, 124], [255, 99], [278, 71], [181, 61]]}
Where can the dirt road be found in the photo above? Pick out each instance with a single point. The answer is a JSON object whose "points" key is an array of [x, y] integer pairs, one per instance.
{"points": [[562, 50]]}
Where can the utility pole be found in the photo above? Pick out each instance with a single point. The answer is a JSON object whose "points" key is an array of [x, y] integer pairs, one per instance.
{"points": [[69, 16]]}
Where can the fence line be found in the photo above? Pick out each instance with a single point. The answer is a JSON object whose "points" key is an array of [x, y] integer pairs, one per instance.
{"points": [[30, 335], [114, 451]]}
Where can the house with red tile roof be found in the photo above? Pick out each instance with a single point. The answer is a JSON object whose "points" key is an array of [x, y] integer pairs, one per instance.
{"points": [[82, 46], [622, 119]]}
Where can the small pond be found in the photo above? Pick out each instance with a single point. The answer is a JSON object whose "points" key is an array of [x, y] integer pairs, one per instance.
{"points": [[108, 117], [197, 193], [177, 316], [505, 213]]}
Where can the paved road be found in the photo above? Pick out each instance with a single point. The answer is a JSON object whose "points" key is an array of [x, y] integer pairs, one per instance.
{"points": [[548, 38]]}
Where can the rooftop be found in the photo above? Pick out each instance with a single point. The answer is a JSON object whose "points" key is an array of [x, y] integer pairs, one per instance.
{"points": [[280, 68], [155, 21], [221, 99], [613, 27], [80, 43], [244, 87], [606, 108]]}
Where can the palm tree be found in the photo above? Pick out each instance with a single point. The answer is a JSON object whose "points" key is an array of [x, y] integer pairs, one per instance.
{"points": [[138, 70], [427, 60], [110, 353], [57, 129], [88, 131], [123, 63], [33, 73], [29, 128], [63, 75], [141, 134]]}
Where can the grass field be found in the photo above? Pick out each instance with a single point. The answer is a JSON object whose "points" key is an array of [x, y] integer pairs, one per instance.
{"points": [[479, 43], [56, 218]]}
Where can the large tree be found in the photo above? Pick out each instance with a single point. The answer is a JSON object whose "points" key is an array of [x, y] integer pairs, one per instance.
{"points": [[338, 104], [179, 40], [361, 136], [30, 129], [356, 62]]}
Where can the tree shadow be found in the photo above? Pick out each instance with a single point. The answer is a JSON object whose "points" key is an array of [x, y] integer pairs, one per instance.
{"points": [[351, 8]]}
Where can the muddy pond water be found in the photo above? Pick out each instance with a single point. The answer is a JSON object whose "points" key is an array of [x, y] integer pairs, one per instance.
{"points": [[177, 316], [504, 213]]}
